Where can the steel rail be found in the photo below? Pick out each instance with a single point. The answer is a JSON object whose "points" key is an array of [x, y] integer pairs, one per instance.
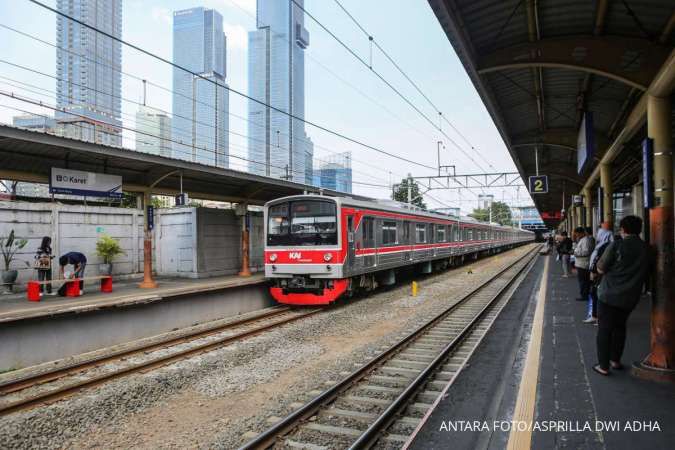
{"points": [[270, 436], [389, 415], [150, 364]]}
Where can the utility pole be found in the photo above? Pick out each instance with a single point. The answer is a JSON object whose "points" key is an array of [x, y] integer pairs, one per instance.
{"points": [[438, 149], [409, 189]]}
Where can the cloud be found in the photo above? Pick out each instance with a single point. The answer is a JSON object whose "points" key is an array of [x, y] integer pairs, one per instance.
{"points": [[160, 14], [237, 36]]}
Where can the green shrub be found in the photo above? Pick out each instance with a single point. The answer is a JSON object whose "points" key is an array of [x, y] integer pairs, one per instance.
{"points": [[108, 248]]}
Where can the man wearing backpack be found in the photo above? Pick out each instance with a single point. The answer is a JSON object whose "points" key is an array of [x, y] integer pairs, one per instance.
{"points": [[624, 266], [565, 250]]}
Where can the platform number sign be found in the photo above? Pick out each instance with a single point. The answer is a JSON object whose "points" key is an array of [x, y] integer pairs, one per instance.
{"points": [[539, 184]]}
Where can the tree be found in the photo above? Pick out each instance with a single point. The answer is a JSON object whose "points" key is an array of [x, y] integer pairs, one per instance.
{"points": [[501, 213], [401, 192]]}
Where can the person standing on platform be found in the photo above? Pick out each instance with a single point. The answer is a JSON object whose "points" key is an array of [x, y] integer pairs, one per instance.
{"points": [[78, 261], [565, 250], [582, 256], [43, 265], [605, 238], [589, 233], [624, 266]]}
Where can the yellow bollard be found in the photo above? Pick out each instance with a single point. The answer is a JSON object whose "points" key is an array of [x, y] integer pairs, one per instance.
{"points": [[414, 288]]}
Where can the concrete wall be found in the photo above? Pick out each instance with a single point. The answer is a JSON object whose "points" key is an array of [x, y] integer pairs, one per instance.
{"points": [[35, 341], [204, 242], [188, 242], [73, 228]]}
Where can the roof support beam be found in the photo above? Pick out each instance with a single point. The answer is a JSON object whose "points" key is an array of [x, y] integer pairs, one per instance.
{"points": [[629, 60]]}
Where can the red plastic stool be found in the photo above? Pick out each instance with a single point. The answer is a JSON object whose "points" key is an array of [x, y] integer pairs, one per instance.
{"points": [[73, 288], [33, 291], [106, 284]]}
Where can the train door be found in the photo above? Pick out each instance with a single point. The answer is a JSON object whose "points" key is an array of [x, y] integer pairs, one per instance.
{"points": [[370, 250], [349, 263]]}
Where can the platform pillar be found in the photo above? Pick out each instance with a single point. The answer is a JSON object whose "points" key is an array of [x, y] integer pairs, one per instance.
{"points": [[660, 363], [148, 282], [607, 194], [245, 263], [588, 208]]}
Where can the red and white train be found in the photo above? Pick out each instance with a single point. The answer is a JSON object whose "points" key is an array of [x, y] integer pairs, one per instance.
{"points": [[319, 248]]}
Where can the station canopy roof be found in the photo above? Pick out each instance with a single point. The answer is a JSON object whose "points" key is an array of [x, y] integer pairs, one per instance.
{"points": [[538, 65], [27, 155]]}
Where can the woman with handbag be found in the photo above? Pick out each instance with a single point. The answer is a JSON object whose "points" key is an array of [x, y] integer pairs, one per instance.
{"points": [[43, 264]]}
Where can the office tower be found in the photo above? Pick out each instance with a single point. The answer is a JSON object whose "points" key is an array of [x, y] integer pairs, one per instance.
{"points": [[88, 64], [278, 145], [200, 102], [153, 131], [335, 172]]}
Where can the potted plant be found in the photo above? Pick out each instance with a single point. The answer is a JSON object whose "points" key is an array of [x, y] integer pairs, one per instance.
{"points": [[107, 249], [9, 246]]}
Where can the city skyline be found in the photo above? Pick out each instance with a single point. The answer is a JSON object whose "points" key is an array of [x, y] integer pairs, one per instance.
{"points": [[359, 105]]}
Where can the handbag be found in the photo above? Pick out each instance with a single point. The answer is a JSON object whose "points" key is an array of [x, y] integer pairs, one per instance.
{"points": [[42, 262]]}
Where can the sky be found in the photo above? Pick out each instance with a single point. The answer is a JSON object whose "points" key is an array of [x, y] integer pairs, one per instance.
{"points": [[341, 93]]}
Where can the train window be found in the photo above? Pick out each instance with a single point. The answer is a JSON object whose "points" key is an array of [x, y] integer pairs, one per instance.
{"points": [[368, 232], [469, 235], [455, 233], [303, 222], [440, 233], [420, 233], [406, 233], [389, 232]]}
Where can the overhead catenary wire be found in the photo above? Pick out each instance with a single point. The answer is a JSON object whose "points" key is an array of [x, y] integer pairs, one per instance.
{"points": [[384, 80], [170, 91], [235, 91]]}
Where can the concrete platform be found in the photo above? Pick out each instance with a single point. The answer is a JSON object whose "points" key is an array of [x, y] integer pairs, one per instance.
{"points": [[58, 327], [126, 293], [564, 388]]}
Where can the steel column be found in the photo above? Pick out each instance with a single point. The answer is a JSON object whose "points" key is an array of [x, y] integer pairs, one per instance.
{"points": [[588, 206], [607, 193]]}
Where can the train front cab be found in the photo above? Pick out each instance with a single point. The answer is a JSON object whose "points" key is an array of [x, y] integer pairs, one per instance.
{"points": [[303, 250]]}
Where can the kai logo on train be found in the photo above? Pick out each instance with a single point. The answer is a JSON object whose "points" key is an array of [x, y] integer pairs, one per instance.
{"points": [[294, 255]]}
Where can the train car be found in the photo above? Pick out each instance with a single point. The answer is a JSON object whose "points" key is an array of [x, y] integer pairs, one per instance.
{"points": [[320, 248]]}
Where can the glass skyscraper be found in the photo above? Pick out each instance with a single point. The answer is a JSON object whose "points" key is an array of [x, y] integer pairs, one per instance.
{"points": [[153, 131], [335, 172], [200, 107], [88, 65], [278, 145]]}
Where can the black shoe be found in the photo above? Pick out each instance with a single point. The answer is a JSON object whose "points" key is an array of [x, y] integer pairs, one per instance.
{"points": [[579, 299]]}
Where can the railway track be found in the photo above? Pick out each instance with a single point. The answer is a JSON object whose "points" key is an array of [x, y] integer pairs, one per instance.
{"points": [[383, 402], [53, 385]]}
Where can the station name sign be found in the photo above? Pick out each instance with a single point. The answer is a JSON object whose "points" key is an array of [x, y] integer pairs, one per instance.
{"points": [[88, 184]]}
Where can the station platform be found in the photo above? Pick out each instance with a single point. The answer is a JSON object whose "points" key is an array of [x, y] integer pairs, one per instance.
{"points": [[58, 327], [532, 385], [126, 293]]}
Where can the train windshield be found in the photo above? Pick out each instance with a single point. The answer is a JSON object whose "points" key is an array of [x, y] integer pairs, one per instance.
{"points": [[302, 222]]}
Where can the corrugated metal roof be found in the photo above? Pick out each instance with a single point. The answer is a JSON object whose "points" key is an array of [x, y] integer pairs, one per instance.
{"points": [[481, 28]]}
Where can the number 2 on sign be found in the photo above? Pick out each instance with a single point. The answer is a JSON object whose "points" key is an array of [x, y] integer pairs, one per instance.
{"points": [[538, 185]]}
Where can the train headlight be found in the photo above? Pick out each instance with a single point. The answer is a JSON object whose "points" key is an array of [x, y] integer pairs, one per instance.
{"points": [[327, 256], [273, 257]]}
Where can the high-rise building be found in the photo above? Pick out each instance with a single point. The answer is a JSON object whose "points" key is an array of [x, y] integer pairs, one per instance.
{"points": [[334, 172], [88, 70], [200, 103], [278, 145], [153, 131]]}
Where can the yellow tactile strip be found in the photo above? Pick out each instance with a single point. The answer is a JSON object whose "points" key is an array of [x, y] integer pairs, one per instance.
{"points": [[520, 438]]}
